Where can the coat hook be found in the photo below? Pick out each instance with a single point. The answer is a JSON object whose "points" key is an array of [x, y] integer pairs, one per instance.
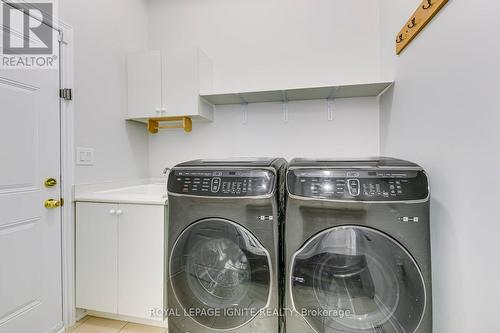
{"points": [[429, 4], [412, 22], [400, 39]]}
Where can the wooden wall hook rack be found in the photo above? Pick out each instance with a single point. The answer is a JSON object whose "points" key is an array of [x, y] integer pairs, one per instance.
{"points": [[420, 18], [180, 122]]}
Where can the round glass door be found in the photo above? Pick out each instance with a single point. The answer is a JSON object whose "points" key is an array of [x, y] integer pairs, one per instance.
{"points": [[220, 274], [356, 279]]}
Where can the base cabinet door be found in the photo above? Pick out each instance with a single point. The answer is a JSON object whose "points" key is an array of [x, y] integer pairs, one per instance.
{"points": [[140, 261], [97, 257]]}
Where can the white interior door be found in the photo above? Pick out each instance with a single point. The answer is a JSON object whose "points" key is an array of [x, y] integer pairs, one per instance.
{"points": [[30, 234]]}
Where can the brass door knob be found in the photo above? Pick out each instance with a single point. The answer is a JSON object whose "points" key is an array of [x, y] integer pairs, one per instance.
{"points": [[50, 182], [52, 203]]}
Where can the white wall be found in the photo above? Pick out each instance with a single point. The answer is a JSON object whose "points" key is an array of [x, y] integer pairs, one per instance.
{"points": [[443, 114], [104, 32], [274, 43], [266, 44], [308, 133]]}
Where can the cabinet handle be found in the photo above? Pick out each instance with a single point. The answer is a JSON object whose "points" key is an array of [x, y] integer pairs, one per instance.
{"points": [[112, 211], [119, 212]]}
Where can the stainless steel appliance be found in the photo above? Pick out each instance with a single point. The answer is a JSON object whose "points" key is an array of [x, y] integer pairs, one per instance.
{"points": [[223, 249], [357, 247]]}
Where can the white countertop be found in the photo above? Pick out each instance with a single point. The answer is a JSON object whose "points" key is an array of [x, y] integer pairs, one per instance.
{"points": [[143, 191]]}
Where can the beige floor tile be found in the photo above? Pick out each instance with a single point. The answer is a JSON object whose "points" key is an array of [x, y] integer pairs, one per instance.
{"points": [[137, 328], [99, 325], [78, 323]]}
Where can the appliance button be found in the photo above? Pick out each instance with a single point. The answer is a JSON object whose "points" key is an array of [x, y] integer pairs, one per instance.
{"points": [[215, 185], [353, 185]]}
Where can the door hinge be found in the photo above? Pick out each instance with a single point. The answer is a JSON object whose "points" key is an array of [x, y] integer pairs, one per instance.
{"points": [[66, 94]]}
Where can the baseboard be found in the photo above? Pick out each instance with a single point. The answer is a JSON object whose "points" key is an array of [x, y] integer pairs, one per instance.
{"points": [[58, 329], [80, 314], [127, 318]]}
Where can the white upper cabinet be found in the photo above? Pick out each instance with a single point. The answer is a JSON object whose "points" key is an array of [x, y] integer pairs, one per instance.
{"points": [[168, 84]]}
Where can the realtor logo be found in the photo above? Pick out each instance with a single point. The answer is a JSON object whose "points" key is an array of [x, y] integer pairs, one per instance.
{"points": [[28, 37]]}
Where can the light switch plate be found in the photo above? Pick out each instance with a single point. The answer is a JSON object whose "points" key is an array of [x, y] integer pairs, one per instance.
{"points": [[84, 156]]}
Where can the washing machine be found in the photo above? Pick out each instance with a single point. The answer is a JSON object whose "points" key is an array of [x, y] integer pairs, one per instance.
{"points": [[224, 247], [357, 247]]}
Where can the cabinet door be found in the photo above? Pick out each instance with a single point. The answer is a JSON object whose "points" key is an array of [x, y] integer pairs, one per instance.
{"points": [[145, 84], [182, 81], [96, 257], [141, 268]]}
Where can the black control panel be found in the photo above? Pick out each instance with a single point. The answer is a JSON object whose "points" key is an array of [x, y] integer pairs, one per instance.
{"points": [[362, 185], [221, 183]]}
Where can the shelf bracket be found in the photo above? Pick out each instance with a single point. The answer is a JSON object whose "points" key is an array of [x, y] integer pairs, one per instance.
{"points": [[244, 110], [180, 122], [284, 105], [329, 104]]}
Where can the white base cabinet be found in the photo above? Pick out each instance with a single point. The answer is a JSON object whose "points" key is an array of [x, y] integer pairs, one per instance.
{"points": [[120, 259]]}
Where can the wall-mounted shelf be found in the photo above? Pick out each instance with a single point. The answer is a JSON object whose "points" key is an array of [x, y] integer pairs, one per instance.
{"points": [[298, 94]]}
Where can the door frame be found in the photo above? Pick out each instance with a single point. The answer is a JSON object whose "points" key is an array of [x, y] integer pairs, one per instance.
{"points": [[66, 80], [67, 176]]}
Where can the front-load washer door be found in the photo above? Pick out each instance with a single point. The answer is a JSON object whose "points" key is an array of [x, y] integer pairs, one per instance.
{"points": [[356, 279], [220, 274]]}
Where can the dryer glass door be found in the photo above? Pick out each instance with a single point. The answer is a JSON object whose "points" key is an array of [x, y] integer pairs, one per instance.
{"points": [[220, 274], [356, 279]]}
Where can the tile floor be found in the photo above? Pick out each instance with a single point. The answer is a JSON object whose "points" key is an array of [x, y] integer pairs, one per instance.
{"points": [[100, 325]]}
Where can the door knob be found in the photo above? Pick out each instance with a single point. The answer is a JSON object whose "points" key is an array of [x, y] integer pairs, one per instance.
{"points": [[52, 203], [50, 182]]}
